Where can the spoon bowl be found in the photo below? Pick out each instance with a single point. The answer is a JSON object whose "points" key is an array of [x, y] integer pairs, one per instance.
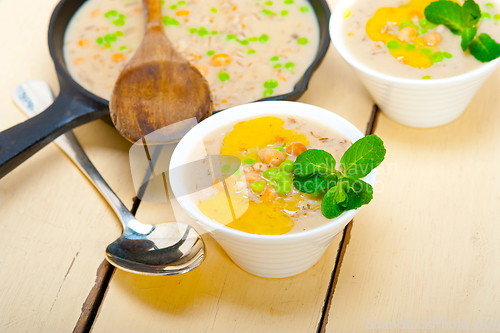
{"points": [[164, 249]]}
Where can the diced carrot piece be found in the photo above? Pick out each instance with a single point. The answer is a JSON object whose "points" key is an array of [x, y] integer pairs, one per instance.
{"points": [[118, 57], [295, 149], [95, 13], [219, 60], [84, 42], [182, 13], [269, 194]]}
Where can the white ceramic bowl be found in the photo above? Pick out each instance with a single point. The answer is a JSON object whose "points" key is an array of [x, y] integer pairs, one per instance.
{"points": [[416, 103], [273, 256]]}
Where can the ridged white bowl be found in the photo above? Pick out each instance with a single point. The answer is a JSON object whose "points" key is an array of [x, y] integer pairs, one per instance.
{"points": [[272, 256], [416, 103]]}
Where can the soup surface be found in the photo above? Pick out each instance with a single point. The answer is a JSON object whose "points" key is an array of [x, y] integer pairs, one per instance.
{"points": [[262, 197], [373, 33], [246, 49]]}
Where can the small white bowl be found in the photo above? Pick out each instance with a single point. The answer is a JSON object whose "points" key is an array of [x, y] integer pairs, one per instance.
{"points": [[416, 103], [272, 256]]}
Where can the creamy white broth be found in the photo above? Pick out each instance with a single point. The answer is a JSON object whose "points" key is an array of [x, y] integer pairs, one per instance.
{"points": [[319, 136], [260, 48], [376, 55]]}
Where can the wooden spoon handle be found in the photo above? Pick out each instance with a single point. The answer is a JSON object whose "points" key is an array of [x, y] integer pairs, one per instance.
{"points": [[153, 9]]}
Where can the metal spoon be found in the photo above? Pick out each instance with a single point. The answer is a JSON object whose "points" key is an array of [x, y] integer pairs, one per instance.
{"points": [[163, 249]]}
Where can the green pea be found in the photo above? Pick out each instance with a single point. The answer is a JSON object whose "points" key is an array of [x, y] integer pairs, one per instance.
{"points": [[253, 39], [162, 2], [437, 57], [497, 16], [270, 84], [426, 77], [393, 45], [122, 48], [119, 33], [277, 66], [225, 168], [250, 51], [270, 173], [180, 3], [193, 30], [111, 13], [173, 7], [275, 58], [410, 47], [214, 32], [283, 187], [249, 161], [284, 12], [447, 55], [202, 32], [230, 36], [485, 15], [223, 76], [426, 51], [122, 16], [109, 37], [288, 2], [107, 45], [422, 31], [167, 20], [257, 186], [210, 53], [489, 5], [269, 3], [268, 12], [263, 38], [244, 42], [99, 40], [302, 41], [213, 10], [289, 65], [268, 92], [280, 176], [408, 23], [304, 9], [287, 166]]}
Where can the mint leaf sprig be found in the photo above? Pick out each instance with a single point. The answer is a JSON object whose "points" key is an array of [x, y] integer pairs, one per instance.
{"points": [[315, 173], [463, 21]]}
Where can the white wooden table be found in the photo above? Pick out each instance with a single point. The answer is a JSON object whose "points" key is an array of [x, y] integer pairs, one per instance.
{"points": [[426, 247]]}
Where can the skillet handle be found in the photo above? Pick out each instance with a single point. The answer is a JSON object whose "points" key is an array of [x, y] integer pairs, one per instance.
{"points": [[21, 141]]}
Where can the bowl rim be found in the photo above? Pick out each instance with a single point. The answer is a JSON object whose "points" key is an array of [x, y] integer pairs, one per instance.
{"points": [[263, 108], [336, 36]]}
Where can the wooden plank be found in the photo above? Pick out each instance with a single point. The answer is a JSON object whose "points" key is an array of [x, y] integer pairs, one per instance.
{"points": [[427, 247], [55, 225]]}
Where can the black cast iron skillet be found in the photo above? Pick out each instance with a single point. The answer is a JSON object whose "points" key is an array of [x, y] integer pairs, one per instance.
{"points": [[76, 106]]}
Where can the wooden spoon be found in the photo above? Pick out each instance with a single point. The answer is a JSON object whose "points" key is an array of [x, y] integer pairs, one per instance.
{"points": [[158, 87]]}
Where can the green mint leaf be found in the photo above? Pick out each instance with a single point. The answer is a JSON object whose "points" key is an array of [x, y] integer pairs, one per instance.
{"points": [[330, 206], [484, 48], [363, 156], [359, 193], [467, 36], [314, 161], [472, 13], [447, 13], [315, 184]]}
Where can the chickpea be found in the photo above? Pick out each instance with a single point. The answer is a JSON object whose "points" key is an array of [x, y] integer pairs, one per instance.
{"points": [[252, 176], [407, 34], [432, 39], [295, 149], [271, 156], [259, 166], [269, 194]]}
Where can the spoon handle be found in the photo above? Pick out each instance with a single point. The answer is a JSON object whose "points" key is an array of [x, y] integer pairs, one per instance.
{"points": [[37, 95], [153, 10]]}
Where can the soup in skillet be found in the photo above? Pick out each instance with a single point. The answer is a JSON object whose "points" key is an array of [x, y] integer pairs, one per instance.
{"points": [[246, 49]]}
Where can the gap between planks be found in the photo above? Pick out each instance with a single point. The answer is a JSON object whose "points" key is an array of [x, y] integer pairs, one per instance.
{"points": [[346, 237], [90, 308], [94, 300]]}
